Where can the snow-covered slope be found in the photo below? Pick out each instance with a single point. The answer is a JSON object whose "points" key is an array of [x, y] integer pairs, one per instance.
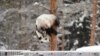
{"points": [[89, 49]]}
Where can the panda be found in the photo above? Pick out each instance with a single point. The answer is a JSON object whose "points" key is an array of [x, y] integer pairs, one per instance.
{"points": [[45, 25]]}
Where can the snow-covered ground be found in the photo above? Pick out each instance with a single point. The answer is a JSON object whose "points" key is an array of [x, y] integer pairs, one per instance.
{"points": [[89, 49]]}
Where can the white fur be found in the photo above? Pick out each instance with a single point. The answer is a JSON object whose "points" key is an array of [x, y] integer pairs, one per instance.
{"points": [[39, 34], [45, 20], [42, 38]]}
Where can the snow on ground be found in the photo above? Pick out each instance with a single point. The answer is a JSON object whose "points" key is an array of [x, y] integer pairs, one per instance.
{"points": [[89, 49]]}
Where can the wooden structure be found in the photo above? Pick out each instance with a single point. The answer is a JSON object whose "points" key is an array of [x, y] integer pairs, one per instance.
{"points": [[93, 22], [53, 39], [53, 6], [45, 53]]}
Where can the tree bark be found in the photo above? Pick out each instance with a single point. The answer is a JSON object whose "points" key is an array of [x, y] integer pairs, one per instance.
{"points": [[93, 22], [53, 39]]}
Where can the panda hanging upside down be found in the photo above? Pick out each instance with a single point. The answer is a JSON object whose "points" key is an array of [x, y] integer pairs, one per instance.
{"points": [[45, 25]]}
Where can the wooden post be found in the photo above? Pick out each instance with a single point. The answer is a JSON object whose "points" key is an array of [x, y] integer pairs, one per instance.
{"points": [[93, 28], [6, 54], [53, 6], [53, 39]]}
